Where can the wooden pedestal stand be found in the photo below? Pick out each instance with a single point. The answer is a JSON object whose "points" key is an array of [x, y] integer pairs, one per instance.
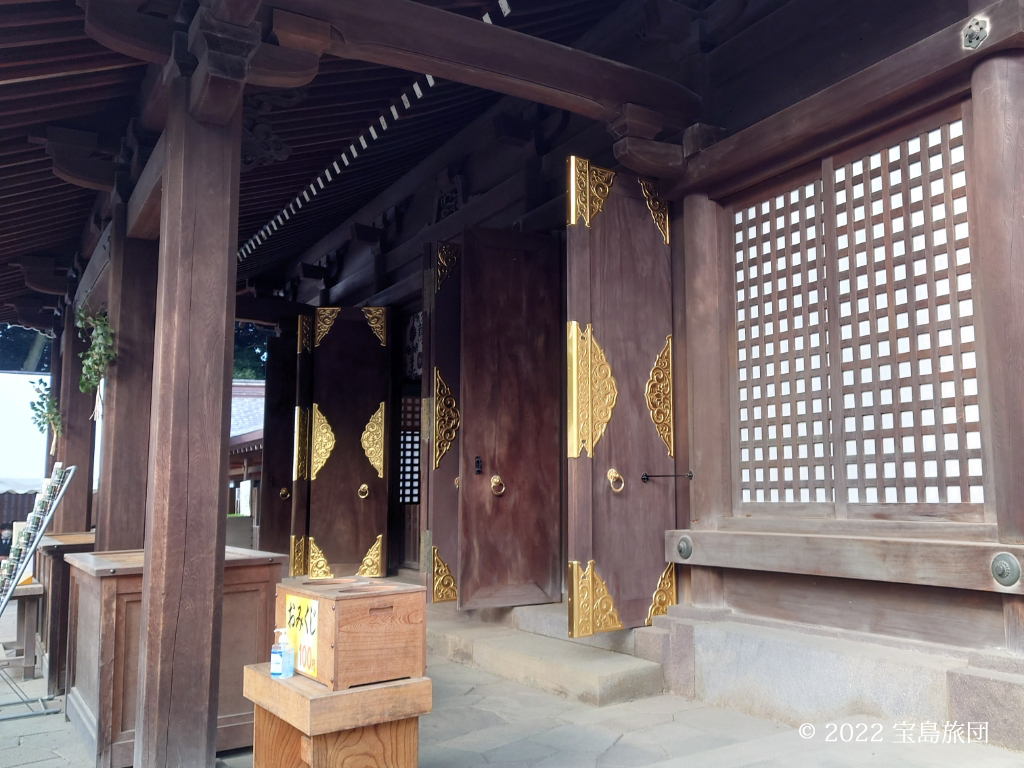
{"points": [[299, 722]]}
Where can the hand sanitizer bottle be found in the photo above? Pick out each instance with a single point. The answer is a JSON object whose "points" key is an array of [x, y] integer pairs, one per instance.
{"points": [[282, 656]]}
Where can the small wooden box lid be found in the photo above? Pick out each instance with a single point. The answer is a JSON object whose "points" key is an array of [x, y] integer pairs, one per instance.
{"points": [[314, 709], [127, 562], [346, 588]]}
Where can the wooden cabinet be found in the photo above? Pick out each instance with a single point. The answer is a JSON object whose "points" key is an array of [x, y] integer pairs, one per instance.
{"points": [[105, 638], [53, 572]]}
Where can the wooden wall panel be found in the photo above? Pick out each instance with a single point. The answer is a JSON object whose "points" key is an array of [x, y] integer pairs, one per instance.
{"points": [[278, 442]]}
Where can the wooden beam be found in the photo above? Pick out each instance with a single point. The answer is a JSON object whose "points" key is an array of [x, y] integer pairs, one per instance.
{"points": [[650, 158], [143, 216], [94, 283], [175, 723], [120, 514], [419, 38], [269, 311], [804, 127], [957, 564]]}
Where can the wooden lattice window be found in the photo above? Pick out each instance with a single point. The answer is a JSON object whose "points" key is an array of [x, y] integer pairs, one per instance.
{"points": [[782, 338], [409, 452], [910, 422], [856, 376]]}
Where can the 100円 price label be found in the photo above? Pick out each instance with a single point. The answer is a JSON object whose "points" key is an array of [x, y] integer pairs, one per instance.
{"points": [[301, 615]]}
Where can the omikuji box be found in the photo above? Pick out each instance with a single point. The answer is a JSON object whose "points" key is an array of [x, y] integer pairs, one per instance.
{"points": [[354, 631]]}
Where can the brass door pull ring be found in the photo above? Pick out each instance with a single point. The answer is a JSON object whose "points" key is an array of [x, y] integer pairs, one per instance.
{"points": [[364, 491], [615, 481], [284, 493], [497, 485]]}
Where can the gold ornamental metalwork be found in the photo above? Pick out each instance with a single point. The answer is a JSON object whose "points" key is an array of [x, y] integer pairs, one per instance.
{"points": [[665, 594], [300, 459], [592, 391], [447, 418], [373, 440], [591, 608], [363, 491], [305, 334], [318, 568], [427, 419], [325, 317], [377, 319], [588, 189], [615, 480], [444, 588], [323, 442], [448, 255], [297, 563], [659, 396], [657, 207], [373, 563]]}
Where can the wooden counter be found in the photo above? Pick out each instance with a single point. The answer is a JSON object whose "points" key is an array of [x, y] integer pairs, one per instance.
{"points": [[53, 573], [105, 634]]}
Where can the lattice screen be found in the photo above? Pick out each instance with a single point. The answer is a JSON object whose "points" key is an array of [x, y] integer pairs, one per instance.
{"points": [[409, 452], [910, 418], [885, 247], [781, 347]]}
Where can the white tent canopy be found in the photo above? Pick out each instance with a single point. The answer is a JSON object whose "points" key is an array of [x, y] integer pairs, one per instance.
{"points": [[20, 485]]}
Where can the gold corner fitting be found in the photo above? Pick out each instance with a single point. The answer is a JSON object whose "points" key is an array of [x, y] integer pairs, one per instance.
{"points": [[592, 390], [657, 207], [373, 563], [444, 588], [447, 418], [325, 317], [305, 343], [297, 563], [323, 442], [591, 608], [665, 594], [317, 568], [376, 317], [300, 459], [588, 189], [448, 255], [372, 440], [659, 396]]}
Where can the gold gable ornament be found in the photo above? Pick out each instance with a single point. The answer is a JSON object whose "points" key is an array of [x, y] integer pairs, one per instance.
{"points": [[588, 189], [657, 207], [447, 418], [318, 568], [372, 441], [373, 564], [376, 318], [444, 588], [592, 390], [664, 595], [591, 608], [323, 442], [448, 255], [325, 317], [659, 396]]}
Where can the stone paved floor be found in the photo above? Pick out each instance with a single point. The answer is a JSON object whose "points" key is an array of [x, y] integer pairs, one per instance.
{"points": [[483, 720]]}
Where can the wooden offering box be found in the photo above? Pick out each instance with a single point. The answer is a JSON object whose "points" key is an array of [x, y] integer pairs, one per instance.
{"points": [[105, 639], [354, 631]]}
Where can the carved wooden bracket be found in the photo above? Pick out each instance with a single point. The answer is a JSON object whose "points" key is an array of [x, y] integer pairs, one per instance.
{"points": [[222, 52]]}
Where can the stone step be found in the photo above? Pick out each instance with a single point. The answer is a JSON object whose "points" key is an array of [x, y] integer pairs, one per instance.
{"points": [[591, 675], [552, 620]]}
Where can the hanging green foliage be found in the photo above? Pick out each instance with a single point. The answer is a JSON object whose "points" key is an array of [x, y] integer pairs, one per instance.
{"points": [[45, 412], [96, 330]]}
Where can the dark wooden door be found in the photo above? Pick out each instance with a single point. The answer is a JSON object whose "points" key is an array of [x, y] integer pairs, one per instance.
{"points": [[442, 391], [348, 428], [620, 313], [509, 534]]}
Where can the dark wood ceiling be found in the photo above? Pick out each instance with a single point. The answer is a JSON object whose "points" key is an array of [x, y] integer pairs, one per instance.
{"points": [[51, 74]]}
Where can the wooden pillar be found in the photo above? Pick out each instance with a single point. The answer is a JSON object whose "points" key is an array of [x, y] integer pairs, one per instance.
{"points": [[708, 328], [996, 216], [183, 582], [997, 235], [278, 442], [75, 446], [55, 381], [121, 503]]}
